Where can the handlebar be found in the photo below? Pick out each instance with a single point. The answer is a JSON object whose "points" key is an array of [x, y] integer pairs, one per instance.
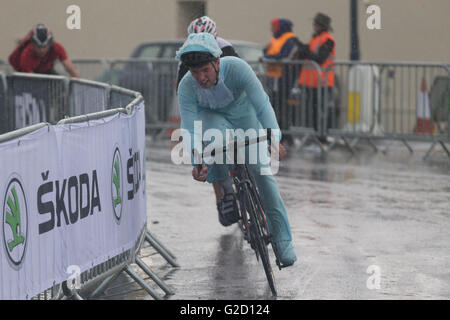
{"points": [[198, 157]]}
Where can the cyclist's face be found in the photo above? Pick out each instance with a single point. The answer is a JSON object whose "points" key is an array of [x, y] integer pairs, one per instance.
{"points": [[206, 75], [41, 51]]}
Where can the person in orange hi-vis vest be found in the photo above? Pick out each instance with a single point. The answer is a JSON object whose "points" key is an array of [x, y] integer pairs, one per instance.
{"points": [[280, 78], [321, 49]]}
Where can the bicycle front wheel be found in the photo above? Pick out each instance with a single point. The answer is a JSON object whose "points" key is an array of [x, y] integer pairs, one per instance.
{"points": [[260, 235]]}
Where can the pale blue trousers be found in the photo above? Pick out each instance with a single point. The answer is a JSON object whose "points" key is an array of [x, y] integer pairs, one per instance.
{"points": [[272, 202]]}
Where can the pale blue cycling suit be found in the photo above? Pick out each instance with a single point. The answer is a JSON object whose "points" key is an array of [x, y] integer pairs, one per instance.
{"points": [[237, 101]]}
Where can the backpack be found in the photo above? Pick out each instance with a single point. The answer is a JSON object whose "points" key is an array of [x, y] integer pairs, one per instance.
{"points": [[14, 57]]}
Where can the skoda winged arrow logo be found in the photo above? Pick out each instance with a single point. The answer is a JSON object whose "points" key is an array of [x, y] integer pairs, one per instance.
{"points": [[117, 185], [15, 221]]}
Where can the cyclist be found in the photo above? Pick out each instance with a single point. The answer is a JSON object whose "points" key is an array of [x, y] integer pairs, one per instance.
{"points": [[38, 52], [226, 94], [206, 24]]}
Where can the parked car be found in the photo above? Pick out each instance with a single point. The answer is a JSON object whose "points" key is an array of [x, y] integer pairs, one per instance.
{"points": [[166, 49]]}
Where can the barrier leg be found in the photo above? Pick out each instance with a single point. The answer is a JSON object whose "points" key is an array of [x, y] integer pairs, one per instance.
{"points": [[411, 151], [322, 148], [349, 147], [375, 149], [149, 234], [102, 287], [76, 296], [445, 148], [70, 292], [153, 276], [429, 150], [432, 147], [303, 142], [355, 142], [141, 282], [161, 250], [332, 144]]}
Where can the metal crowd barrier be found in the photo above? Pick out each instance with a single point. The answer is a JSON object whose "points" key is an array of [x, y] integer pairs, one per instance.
{"points": [[294, 105], [3, 110], [4, 66], [32, 98], [155, 79], [27, 99], [59, 100], [368, 101], [395, 101]]}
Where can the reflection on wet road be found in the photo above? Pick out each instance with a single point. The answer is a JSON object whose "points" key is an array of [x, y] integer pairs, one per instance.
{"points": [[371, 226]]}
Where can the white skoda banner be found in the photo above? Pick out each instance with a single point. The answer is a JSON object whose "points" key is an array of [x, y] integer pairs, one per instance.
{"points": [[70, 195]]}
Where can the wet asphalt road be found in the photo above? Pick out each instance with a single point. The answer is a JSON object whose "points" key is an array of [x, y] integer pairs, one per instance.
{"points": [[367, 226]]}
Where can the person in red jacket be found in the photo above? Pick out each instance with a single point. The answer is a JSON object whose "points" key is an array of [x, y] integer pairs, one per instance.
{"points": [[38, 52]]}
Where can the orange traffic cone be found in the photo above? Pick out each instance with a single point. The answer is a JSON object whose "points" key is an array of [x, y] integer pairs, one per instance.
{"points": [[424, 122]]}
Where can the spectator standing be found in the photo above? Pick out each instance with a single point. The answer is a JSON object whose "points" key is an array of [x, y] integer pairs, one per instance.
{"points": [[281, 77], [321, 49]]}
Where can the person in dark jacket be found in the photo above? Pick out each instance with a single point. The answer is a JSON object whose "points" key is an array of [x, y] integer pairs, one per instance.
{"points": [[321, 49], [281, 77]]}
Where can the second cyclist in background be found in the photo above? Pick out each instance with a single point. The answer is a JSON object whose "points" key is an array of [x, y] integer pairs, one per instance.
{"points": [[37, 53], [206, 24]]}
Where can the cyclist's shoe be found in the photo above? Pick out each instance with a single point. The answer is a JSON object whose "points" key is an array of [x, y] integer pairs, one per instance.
{"points": [[228, 210], [284, 252]]}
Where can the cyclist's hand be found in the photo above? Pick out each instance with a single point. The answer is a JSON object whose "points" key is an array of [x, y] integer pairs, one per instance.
{"points": [[278, 148], [200, 176]]}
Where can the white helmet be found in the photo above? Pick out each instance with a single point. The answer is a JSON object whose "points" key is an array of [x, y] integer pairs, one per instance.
{"points": [[203, 24]]}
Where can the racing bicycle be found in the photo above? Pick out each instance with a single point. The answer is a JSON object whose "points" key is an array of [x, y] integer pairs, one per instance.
{"points": [[252, 220]]}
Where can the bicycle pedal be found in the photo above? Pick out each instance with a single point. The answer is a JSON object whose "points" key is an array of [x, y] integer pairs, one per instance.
{"points": [[281, 266], [278, 264]]}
